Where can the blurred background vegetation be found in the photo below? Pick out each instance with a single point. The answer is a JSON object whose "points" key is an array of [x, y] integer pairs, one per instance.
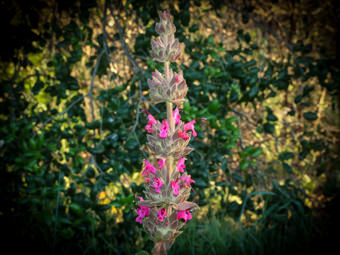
{"points": [[265, 75]]}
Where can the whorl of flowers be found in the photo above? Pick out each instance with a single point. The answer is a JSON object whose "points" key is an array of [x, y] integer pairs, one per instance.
{"points": [[167, 185]]}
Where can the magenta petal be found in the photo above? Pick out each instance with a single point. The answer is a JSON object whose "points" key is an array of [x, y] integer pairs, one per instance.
{"points": [[161, 163], [180, 165], [139, 220], [164, 129], [176, 116]]}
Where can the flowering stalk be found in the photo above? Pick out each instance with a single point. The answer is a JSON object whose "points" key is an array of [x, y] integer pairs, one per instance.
{"points": [[167, 187]]}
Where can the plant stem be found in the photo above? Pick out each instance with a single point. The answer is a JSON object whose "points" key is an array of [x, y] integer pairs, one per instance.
{"points": [[170, 118], [170, 121], [159, 249]]}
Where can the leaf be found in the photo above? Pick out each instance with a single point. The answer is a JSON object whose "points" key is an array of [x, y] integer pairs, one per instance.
{"points": [[221, 183], [193, 28], [76, 209], [256, 152], [268, 127], [298, 99], [93, 125], [254, 90], [291, 113], [201, 183], [238, 177], [37, 86], [142, 253], [186, 206], [310, 116], [214, 106], [287, 168], [286, 155], [271, 117], [244, 165], [233, 96]]}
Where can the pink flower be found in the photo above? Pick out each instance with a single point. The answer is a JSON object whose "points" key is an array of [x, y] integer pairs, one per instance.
{"points": [[190, 126], [164, 129], [185, 215], [175, 187], [180, 165], [148, 168], [177, 79], [183, 135], [187, 180], [153, 73], [176, 116], [157, 183], [147, 179], [151, 122], [161, 214], [161, 163], [142, 211]]}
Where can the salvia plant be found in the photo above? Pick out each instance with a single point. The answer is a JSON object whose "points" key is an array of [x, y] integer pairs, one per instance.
{"points": [[165, 209]]}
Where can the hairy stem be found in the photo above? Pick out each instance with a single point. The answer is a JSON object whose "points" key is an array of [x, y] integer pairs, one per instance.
{"points": [[159, 249], [171, 122], [170, 159]]}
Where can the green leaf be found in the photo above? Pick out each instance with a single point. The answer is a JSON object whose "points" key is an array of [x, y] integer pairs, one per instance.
{"points": [[244, 165], [221, 183], [201, 183], [193, 28], [76, 209], [238, 177], [256, 152], [142, 253], [291, 113], [268, 127], [37, 86], [254, 90], [93, 125], [298, 99], [286, 155], [214, 106], [287, 168], [310, 116], [233, 95], [271, 117]]}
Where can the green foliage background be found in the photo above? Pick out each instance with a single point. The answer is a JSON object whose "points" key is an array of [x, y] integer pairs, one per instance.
{"points": [[73, 90]]}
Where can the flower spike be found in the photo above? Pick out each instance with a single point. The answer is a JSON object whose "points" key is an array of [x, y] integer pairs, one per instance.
{"points": [[168, 186]]}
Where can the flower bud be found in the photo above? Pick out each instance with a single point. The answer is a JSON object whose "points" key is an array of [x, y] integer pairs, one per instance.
{"points": [[165, 26]]}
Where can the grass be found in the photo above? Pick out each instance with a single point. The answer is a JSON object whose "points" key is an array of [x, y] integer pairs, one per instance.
{"points": [[285, 226]]}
